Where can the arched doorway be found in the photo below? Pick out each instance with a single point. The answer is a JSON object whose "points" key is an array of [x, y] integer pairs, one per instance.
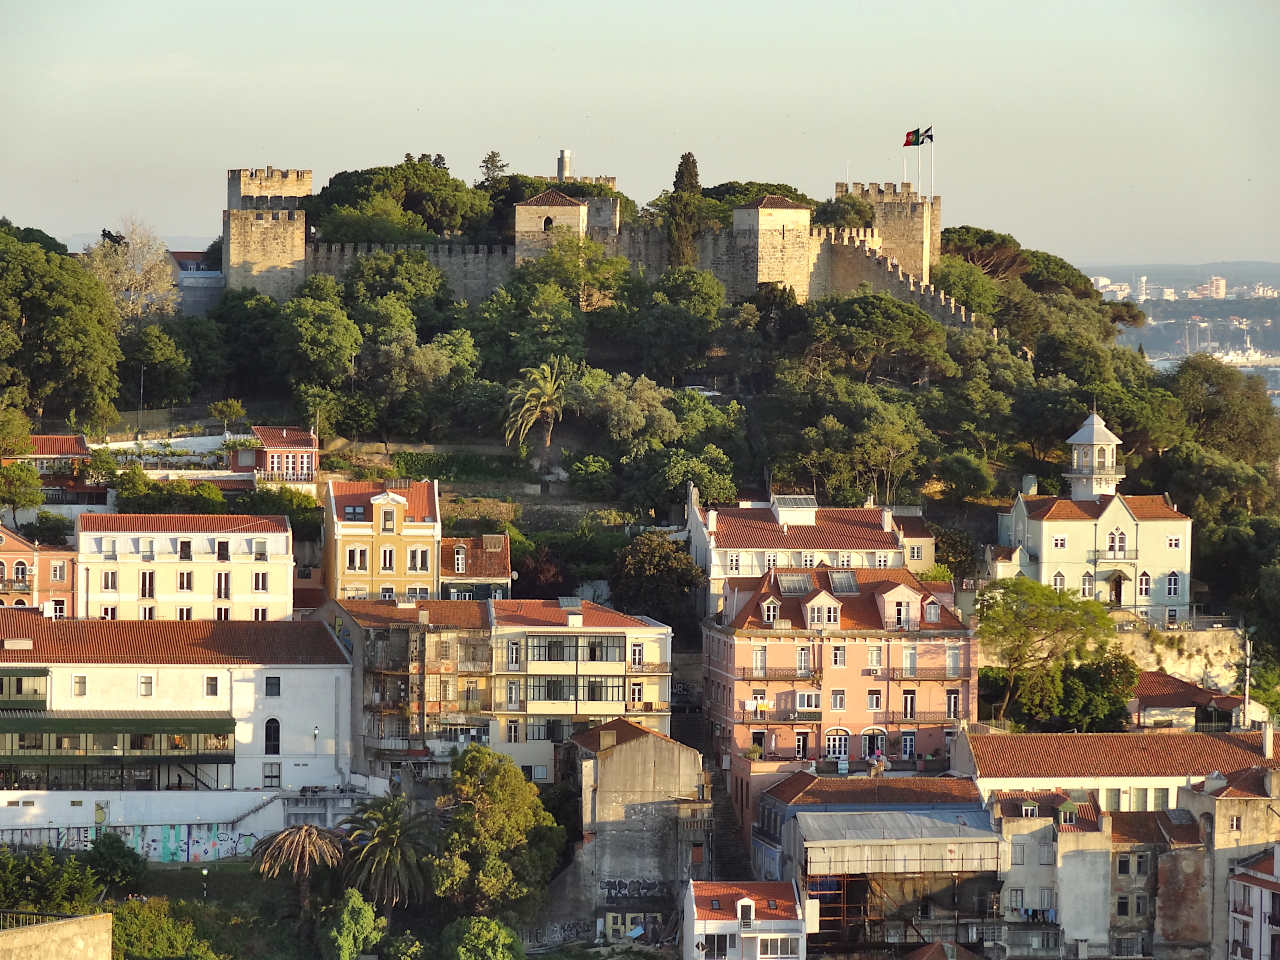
{"points": [[873, 739]]}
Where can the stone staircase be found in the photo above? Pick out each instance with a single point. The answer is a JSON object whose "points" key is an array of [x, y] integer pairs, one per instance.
{"points": [[730, 858]]}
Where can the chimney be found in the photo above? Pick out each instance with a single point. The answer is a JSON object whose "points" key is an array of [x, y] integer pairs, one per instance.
{"points": [[573, 619], [886, 518], [285, 433], [424, 618], [711, 521], [1268, 741], [784, 529], [1030, 484], [608, 738]]}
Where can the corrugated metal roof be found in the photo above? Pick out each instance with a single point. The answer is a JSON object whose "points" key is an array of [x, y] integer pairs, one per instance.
{"points": [[848, 829]]}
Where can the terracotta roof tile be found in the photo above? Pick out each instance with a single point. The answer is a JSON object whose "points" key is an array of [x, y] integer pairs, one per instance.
{"points": [[309, 598], [1250, 782], [1136, 827], [624, 730], [231, 484], [1048, 756], [286, 437], [480, 560], [1158, 689], [549, 613], [913, 527], [1144, 507], [421, 495], [59, 445], [551, 198], [167, 641], [1183, 830], [755, 528], [1264, 862], [180, 523], [1009, 804], [758, 891], [458, 614], [804, 788], [1153, 507], [771, 201]]}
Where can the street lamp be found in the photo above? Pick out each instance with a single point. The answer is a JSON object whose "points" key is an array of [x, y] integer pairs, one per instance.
{"points": [[204, 882]]}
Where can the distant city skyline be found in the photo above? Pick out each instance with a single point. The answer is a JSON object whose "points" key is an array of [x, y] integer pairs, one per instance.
{"points": [[1104, 133]]}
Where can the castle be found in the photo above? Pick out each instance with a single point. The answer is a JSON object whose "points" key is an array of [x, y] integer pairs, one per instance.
{"points": [[266, 244]]}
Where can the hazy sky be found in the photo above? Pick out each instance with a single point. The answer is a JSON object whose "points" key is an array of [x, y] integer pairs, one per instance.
{"points": [[1105, 132]]}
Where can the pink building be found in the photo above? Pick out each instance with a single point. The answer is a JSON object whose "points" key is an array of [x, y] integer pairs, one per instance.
{"points": [[287, 455], [839, 666]]}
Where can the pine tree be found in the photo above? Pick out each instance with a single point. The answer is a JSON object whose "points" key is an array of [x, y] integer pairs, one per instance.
{"points": [[683, 221]]}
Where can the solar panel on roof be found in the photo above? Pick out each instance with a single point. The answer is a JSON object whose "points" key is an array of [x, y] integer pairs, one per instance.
{"points": [[794, 584], [843, 581], [797, 501], [570, 603]]}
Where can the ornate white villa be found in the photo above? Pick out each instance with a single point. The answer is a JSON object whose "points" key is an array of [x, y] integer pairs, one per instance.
{"points": [[1130, 552]]}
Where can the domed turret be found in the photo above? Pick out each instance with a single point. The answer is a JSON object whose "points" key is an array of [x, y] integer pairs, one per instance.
{"points": [[1095, 464]]}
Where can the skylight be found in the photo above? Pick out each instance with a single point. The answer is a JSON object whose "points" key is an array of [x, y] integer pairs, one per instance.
{"points": [[794, 584], [843, 581]]}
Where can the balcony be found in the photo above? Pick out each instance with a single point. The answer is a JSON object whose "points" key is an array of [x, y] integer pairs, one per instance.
{"points": [[1099, 556], [786, 715], [648, 706], [920, 673], [780, 673], [1239, 949], [473, 666], [661, 666], [284, 476], [912, 716], [1271, 919], [15, 586], [1242, 909]]}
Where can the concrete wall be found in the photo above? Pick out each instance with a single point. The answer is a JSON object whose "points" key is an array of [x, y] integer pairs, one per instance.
{"points": [[80, 938], [1183, 923]]}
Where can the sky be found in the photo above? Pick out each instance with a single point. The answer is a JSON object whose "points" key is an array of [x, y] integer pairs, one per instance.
{"points": [[1105, 132]]}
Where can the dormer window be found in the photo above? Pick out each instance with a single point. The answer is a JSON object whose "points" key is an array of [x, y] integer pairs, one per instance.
{"points": [[770, 612], [715, 903], [806, 559], [833, 614], [815, 616], [746, 913], [1068, 817], [932, 611], [388, 521], [1030, 810], [459, 559]]}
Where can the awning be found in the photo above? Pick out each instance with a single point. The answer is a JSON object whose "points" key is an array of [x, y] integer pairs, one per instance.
{"points": [[24, 671], [116, 721], [1116, 575]]}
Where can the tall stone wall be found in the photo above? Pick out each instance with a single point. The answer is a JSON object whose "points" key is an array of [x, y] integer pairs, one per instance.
{"points": [[909, 223], [852, 266], [472, 271], [266, 189], [265, 249], [76, 938]]}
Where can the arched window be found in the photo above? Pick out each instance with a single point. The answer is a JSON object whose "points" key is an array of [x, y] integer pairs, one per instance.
{"points": [[19, 602], [1, 569], [1059, 581], [1144, 584], [1121, 541], [20, 571], [1086, 586], [931, 611], [546, 225], [1172, 583], [1111, 542], [838, 743], [459, 559], [272, 737], [1084, 457]]}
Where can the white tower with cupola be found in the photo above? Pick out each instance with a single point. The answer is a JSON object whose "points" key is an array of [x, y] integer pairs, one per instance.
{"points": [[1095, 462]]}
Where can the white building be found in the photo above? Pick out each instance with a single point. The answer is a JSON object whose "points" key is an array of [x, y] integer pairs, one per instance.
{"points": [[743, 921], [1254, 898], [138, 566], [1131, 552]]}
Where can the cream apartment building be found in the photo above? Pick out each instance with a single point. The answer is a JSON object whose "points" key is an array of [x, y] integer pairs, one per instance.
{"points": [[382, 540], [183, 567]]}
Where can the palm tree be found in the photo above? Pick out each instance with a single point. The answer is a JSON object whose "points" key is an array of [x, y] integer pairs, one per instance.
{"points": [[538, 397], [301, 851], [388, 850]]}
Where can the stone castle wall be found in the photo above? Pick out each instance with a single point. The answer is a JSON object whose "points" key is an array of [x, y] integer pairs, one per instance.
{"points": [[265, 249], [904, 219], [472, 271]]}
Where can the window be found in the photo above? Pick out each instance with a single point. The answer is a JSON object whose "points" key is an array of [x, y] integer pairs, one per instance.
{"points": [[803, 660], [1019, 854], [770, 560], [420, 560], [79, 685], [1014, 898], [1030, 809], [1059, 543], [1122, 905], [1123, 865], [59, 609], [734, 563], [513, 731], [224, 550], [838, 656], [260, 614], [1086, 586], [917, 552], [779, 946], [270, 776], [184, 549], [357, 558], [146, 685], [109, 548], [539, 772], [637, 654], [770, 612], [1160, 797], [908, 704], [1046, 898], [815, 616], [260, 551], [1113, 798], [718, 944], [58, 572], [846, 559], [271, 738], [1144, 584], [353, 513], [185, 579], [882, 560], [837, 699], [953, 704], [1235, 823], [108, 613], [833, 614], [109, 580], [1059, 581], [513, 658], [806, 559], [1046, 853], [222, 583], [908, 746], [1139, 905], [637, 692], [459, 559], [1175, 543], [272, 687], [1068, 817], [1139, 797], [260, 581], [388, 558], [146, 613], [875, 656], [1140, 863], [222, 613], [184, 613], [1171, 584], [874, 700], [389, 593], [388, 521], [210, 686], [932, 612]]}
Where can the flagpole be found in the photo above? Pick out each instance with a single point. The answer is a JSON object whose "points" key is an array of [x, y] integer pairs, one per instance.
{"points": [[904, 167], [919, 161], [931, 149]]}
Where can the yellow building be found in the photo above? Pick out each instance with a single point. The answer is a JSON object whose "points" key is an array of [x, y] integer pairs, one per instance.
{"points": [[138, 566], [381, 540], [560, 666]]}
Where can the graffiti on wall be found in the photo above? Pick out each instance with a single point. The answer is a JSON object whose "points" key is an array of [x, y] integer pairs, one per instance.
{"points": [[551, 934], [614, 889], [166, 843]]}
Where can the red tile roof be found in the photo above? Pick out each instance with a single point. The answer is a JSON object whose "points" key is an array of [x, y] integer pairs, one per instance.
{"points": [[456, 614], [180, 523], [227, 483], [1184, 830], [758, 891], [1153, 507], [771, 201], [286, 437], [802, 788], [843, 528], [1136, 827], [1050, 756], [1158, 689], [624, 731], [1250, 782], [1009, 804], [913, 527], [167, 641], [551, 198], [549, 613], [421, 495], [59, 445], [309, 598], [480, 561], [1001, 553], [1264, 862], [857, 611]]}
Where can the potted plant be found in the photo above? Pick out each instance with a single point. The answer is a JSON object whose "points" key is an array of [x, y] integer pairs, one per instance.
{"points": [[753, 752]]}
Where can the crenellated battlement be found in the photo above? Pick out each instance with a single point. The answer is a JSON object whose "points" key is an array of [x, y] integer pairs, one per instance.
{"points": [[846, 235], [266, 213], [272, 175], [884, 192], [859, 264]]}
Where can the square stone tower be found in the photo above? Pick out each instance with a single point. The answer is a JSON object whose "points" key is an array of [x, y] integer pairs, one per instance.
{"points": [[540, 219], [264, 230], [773, 232]]}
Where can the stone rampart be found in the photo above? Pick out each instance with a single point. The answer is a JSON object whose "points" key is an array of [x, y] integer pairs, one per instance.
{"points": [[472, 271], [854, 265], [264, 249]]}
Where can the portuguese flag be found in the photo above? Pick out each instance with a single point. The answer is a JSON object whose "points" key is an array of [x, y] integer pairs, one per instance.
{"points": [[918, 137]]}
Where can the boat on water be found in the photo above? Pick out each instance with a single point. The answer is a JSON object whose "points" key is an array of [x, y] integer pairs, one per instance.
{"points": [[1250, 356]]}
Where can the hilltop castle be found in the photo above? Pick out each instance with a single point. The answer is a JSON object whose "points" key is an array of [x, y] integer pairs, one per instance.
{"points": [[266, 244]]}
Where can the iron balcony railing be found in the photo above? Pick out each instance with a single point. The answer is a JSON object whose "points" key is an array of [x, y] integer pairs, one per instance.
{"points": [[648, 706], [285, 476], [913, 716], [784, 715], [780, 673], [956, 672], [661, 666], [1096, 556]]}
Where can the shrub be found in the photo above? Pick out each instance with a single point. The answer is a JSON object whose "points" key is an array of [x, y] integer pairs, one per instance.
{"points": [[115, 864]]}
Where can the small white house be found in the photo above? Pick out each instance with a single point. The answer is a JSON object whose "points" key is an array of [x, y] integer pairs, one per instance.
{"points": [[744, 921]]}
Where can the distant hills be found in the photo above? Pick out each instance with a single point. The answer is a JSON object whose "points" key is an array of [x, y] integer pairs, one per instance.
{"points": [[1181, 275]]}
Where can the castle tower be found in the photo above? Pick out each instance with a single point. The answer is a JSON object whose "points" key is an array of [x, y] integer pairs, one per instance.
{"points": [[1095, 464], [540, 219], [264, 230], [909, 224], [774, 234]]}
